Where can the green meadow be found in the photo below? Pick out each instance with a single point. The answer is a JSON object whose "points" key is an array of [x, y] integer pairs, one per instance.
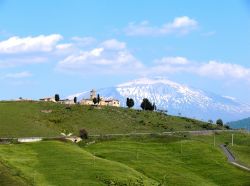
{"points": [[145, 160], [176, 159], [24, 119]]}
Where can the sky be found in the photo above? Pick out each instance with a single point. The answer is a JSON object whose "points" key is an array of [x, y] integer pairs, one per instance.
{"points": [[66, 47]]}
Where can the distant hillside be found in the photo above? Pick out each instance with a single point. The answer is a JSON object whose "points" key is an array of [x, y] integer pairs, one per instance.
{"points": [[50, 119], [176, 98], [244, 123]]}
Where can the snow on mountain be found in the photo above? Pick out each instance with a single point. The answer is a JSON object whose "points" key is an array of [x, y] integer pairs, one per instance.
{"points": [[176, 99]]}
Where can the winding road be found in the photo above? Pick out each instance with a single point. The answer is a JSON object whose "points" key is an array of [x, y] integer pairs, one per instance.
{"points": [[231, 157]]}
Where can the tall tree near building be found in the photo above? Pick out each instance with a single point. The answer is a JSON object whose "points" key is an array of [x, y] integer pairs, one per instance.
{"points": [[75, 99], [95, 100], [98, 98], [57, 97], [130, 102]]}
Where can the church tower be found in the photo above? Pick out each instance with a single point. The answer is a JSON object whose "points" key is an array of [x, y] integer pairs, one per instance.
{"points": [[92, 94]]}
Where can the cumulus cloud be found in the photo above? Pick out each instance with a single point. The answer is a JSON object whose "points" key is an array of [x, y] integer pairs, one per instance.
{"points": [[18, 75], [17, 51], [109, 57], [172, 61], [40, 43], [113, 44], [84, 41], [180, 25], [211, 69]]}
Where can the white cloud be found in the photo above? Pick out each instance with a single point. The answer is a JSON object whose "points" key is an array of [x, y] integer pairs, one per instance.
{"points": [[64, 46], [211, 69], [172, 61], [18, 75], [112, 58], [180, 25], [225, 70], [40, 43], [84, 41], [113, 44]]}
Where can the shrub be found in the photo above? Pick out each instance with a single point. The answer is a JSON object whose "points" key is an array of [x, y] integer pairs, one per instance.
{"points": [[83, 134], [219, 122]]}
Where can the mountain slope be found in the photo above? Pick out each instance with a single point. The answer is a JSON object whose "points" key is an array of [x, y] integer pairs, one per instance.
{"points": [[243, 123], [176, 98]]}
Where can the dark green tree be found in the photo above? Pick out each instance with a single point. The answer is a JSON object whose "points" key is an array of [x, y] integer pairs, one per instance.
{"points": [[95, 100], [146, 104], [154, 107], [130, 102], [57, 97], [75, 99], [83, 134], [98, 98], [210, 121], [219, 122]]}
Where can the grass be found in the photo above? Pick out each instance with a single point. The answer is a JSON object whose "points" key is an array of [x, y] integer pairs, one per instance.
{"points": [[144, 160], [57, 163], [11, 177], [241, 147], [172, 161], [164, 160], [23, 119]]}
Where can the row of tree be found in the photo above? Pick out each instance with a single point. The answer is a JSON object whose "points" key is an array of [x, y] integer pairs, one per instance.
{"points": [[57, 98], [145, 104]]}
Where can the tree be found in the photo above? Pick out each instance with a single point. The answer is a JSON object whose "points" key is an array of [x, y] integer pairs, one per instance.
{"points": [[98, 98], [130, 102], [154, 107], [95, 100], [146, 105], [57, 97], [75, 99], [219, 122], [83, 134], [210, 121]]}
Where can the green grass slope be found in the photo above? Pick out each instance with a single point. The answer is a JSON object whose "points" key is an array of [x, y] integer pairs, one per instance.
{"points": [[11, 177], [171, 161], [23, 119], [57, 163], [241, 147]]}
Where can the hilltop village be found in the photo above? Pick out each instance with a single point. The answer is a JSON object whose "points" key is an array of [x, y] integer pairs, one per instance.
{"points": [[94, 99]]}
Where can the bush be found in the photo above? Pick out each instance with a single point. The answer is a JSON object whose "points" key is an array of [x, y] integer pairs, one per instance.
{"points": [[219, 122], [83, 134]]}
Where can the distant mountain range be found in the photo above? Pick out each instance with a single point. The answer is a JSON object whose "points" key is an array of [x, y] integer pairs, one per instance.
{"points": [[243, 123], [176, 98]]}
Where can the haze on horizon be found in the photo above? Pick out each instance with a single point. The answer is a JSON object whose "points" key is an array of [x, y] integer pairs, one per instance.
{"points": [[49, 47]]}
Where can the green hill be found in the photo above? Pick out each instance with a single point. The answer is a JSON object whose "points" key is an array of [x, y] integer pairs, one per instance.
{"points": [[23, 119], [177, 159], [167, 160], [244, 123]]}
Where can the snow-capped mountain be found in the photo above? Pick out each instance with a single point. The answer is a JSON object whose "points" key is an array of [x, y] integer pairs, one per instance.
{"points": [[176, 99]]}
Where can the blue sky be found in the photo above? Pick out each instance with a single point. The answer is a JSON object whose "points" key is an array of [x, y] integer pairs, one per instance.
{"points": [[49, 47]]}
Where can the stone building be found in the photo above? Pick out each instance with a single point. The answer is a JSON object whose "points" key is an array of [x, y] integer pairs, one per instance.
{"points": [[103, 102]]}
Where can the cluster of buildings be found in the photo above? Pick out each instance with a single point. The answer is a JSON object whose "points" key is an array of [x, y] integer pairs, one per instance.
{"points": [[89, 101]]}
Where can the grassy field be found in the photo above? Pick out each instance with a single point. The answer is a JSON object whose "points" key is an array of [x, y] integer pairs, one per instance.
{"points": [[144, 160], [172, 161], [241, 147], [57, 163], [23, 119]]}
